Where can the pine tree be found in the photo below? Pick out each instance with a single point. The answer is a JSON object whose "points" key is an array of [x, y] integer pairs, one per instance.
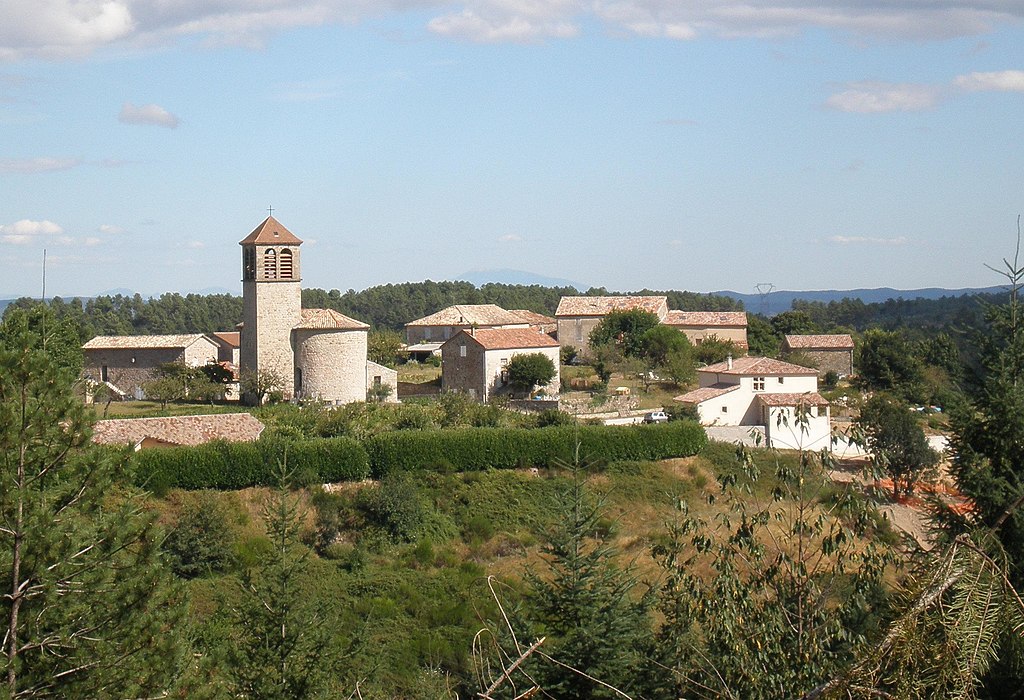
{"points": [[585, 604], [88, 608], [281, 650]]}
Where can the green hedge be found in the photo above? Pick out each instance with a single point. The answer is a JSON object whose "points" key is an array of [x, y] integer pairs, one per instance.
{"points": [[224, 465], [470, 449]]}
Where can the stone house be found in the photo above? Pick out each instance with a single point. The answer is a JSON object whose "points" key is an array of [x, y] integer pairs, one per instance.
{"points": [[228, 342], [578, 316], [538, 322], [829, 352], [175, 431], [126, 362], [474, 361], [439, 327], [781, 397], [700, 325]]}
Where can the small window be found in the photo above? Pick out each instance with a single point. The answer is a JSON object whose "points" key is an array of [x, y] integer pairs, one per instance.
{"points": [[103, 374], [376, 381], [504, 362], [462, 351], [758, 383], [782, 380], [725, 409]]}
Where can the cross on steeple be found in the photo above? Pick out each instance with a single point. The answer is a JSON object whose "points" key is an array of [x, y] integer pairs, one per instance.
{"points": [[271, 210]]}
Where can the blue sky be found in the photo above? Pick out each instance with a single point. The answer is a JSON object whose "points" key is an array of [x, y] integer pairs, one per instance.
{"points": [[629, 143]]}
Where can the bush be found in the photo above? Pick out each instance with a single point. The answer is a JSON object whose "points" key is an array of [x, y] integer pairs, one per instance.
{"points": [[223, 465], [509, 448], [202, 541]]}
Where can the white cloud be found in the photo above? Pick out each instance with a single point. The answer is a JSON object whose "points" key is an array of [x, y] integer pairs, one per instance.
{"points": [[518, 21], [37, 165], [999, 81], [877, 97], [28, 227], [868, 240], [151, 114], [110, 229], [195, 245], [92, 241], [510, 238], [71, 28]]}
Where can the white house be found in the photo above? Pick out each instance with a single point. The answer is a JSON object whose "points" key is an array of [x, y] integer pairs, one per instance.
{"points": [[760, 391]]}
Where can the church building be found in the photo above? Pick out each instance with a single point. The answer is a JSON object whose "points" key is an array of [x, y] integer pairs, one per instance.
{"points": [[315, 353]]}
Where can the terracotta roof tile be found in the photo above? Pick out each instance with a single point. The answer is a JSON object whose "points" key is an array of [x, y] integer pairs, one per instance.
{"points": [[469, 315], [228, 338], [126, 342], [178, 430], [508, 338], [706, 318], [809, 398], [819, 342], [532, 317], [270, 232], [759, 367], [601, 306], [705, 393], [328, 319]]}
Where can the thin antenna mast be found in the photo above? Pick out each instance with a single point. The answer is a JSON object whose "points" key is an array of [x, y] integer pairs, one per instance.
{"points": [[44, 300]]}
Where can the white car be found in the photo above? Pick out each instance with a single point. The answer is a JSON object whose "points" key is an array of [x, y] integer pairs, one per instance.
{"points": [[656, 417]]}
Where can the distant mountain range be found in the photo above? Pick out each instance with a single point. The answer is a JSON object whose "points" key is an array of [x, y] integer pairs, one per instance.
{"points": [[481, 277], [777, 302]]}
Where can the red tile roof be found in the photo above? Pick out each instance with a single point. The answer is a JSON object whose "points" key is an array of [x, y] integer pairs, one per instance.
{"points": [[759, 367], [532, 317], [228, 338], [706, 319], [470, 315], [508, 338], [328, 319], [270, 232], [819, 342], [809, 398], [178, 430], [706, 393], [602, 306]]}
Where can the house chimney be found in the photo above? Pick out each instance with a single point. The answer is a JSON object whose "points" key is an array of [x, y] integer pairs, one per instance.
{"points": [[472, 331], [728, 361]]}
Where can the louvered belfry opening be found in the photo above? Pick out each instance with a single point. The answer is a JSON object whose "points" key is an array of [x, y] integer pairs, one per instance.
{"points": [[285, 266], [270, 264]]}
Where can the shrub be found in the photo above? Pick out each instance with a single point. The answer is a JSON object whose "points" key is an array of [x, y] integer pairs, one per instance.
{"points": [[202, 540], [508, 448], [223, 465]]}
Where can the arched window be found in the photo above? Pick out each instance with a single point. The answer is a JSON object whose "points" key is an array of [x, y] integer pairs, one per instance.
{"points": [[270, 264], [248, 263], [286, 264]]}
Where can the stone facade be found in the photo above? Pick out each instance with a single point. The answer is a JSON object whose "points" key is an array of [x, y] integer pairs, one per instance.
{"points": [[377, 375], [699, 326], [317, 353], [474, 362], [578, 316], [128, 367], [331, 365], [828, 352]]}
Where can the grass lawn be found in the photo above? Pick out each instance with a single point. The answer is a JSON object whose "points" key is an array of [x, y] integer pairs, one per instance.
{"points": [[153, 409]]}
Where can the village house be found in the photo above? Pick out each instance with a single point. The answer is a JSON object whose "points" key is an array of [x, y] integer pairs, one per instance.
{"points": [[377, 378], [126, 362], [177, 431], [699, 326], [538, 322], [830, 353], [475, 361], [779, 396], [578, 316], [228, 343], [425, 336]]}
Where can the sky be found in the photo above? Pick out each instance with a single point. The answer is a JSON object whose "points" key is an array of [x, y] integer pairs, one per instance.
{"points": [[665, 144]]}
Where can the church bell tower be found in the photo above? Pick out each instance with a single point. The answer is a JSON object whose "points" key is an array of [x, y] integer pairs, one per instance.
{"points": [[271, 300]]}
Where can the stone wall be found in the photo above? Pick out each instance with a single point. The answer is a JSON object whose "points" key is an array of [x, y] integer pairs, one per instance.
{"points": [[379, 374], [129, 368], [698, 334], [332, 363], [839, 361], [495, 362], [464, 374], [271, 309], [575, 331]]}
